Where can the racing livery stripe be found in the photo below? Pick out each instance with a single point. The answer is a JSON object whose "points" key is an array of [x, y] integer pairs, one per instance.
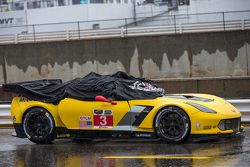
{"points": [[128, 117], [134, 117], [125, 121], [142, 115]]}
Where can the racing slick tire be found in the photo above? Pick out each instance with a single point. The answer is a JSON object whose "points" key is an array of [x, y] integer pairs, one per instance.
{"points": [[39, 126], [172, 124]]}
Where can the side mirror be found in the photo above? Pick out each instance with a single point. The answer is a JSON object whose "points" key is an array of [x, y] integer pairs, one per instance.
{"points": [[104, 99]]}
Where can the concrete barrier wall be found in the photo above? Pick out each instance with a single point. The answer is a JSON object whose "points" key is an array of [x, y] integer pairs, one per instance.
{"points": [[223, 87], [216, 54]]}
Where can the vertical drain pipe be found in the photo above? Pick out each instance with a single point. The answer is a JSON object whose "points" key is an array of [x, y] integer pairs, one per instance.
{"points": [[134, 8], [4, 70]]}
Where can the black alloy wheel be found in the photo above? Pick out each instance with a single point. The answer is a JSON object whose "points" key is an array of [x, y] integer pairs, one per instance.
{"points": [[172, 124], [39, 126]]}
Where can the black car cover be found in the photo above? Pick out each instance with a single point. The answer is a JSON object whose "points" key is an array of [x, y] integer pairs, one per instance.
{"points": [[118, 86]]}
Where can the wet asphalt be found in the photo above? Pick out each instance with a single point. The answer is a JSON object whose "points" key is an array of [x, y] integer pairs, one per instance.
{"points": [[16, 152]]}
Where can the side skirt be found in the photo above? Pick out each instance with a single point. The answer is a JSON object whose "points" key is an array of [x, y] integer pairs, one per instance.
{"points": [[91, 134], [62, 132]]}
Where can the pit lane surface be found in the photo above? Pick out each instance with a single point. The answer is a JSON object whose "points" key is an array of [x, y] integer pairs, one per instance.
{"points": [[234, 151]]}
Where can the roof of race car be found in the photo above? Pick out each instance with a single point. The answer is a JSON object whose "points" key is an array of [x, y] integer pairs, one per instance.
{"points": [[119, 86]]}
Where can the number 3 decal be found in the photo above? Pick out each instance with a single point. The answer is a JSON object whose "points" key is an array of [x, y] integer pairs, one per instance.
{"points": [[103, 121]]}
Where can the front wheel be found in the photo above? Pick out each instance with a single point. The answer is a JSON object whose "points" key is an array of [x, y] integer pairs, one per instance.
{"points": [[39, 126], [172, 124]]}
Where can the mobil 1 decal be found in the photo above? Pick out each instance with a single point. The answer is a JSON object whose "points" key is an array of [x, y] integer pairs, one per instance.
{"points": [[85, 122], [103, 119]]}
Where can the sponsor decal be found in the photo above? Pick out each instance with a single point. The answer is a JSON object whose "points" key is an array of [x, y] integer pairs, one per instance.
{"points": [[108, 112], [98, 111], [143, 135], [14, 118], [85, 118], [233, 110], [147, 87], [63, 135], [47, 114], [12, 21], [6, 20], [24, 99], [85, 124], [103, 119], [15, 20]]}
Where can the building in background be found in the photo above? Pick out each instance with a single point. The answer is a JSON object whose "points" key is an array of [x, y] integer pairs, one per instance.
{"points": [[73, 14], [29, 16]]}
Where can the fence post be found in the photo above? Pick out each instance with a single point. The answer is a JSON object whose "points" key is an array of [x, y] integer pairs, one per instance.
{"points": [[78, 25], [223, 16], [122, 32], [180, 28], [16, 38], [34, 33], [126, 26], [174, 25], [67, 35], [242, 24]]}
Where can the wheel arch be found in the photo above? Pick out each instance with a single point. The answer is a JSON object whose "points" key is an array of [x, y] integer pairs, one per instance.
{"points": [[50, 134], [32, 107], [26, 112], [169, 105], [51, 109]]}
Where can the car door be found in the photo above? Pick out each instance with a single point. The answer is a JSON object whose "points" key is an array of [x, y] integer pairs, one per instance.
{"points": [[94, 115]]}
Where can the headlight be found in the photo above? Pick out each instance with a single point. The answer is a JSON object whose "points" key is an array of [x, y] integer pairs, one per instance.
{"points": [[201, 108]]}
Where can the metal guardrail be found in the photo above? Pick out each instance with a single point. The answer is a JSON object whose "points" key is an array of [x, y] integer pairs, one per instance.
{"points": [[128, 27], [125, 32], [242, 104], [5, 119]]}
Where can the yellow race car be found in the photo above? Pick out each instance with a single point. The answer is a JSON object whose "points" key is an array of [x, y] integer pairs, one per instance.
{"points": [[173, 118]]}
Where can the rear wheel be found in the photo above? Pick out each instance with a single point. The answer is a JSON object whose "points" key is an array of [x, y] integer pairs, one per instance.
{"points": [[172, 124], [39, 126]]}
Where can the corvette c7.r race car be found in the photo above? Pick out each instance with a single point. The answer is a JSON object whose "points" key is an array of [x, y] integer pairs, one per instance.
{"points": [[116, 106]]}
